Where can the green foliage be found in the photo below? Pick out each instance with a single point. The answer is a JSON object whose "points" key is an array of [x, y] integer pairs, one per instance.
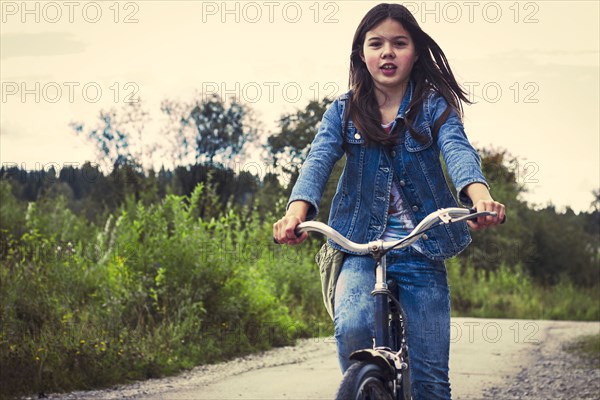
{"points": [[550, 246], [151, 291], [291, 145], [157, 287], [509, 292]]}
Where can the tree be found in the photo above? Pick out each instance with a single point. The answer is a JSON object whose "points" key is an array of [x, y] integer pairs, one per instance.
{"points": [[179, 132], [289, 148], [220, 130], [550, 245], [118, 137], [291, 145], [595, 205], [207, 130], [513, 242]]}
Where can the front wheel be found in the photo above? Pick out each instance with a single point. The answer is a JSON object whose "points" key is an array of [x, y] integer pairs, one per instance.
{"points": [[365, 381]]}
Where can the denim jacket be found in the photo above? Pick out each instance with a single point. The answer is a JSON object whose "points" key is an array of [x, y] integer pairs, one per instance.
{"points": [[359, 209]]}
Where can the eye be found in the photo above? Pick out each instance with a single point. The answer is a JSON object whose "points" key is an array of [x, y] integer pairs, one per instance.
{"points": [[401, 43]]}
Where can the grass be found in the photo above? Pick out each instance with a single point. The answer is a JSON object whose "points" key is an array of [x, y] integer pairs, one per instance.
{"points": [[509, 292]]}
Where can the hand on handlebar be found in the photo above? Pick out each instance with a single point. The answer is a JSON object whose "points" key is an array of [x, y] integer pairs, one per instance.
{"points": [[487, 221], [284, 231]]}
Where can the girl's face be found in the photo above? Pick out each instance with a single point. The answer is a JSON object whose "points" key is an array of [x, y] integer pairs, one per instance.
{"points": [[389, 53]]}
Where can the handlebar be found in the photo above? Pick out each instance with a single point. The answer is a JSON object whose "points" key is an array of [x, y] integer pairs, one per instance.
{"points": [[440, 217]]}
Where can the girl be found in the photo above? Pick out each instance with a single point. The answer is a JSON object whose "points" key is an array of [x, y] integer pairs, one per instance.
{"points": [[403, 110]]}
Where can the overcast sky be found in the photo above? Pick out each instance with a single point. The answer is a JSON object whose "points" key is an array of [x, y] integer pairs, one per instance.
{"points": [[532, 67]]}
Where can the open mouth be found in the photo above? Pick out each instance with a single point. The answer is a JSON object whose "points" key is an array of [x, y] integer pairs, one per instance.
{"points": [[388, 69]]}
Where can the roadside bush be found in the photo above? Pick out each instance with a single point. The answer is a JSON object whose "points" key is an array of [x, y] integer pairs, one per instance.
{"points": [[154, 290], [509, 292]]}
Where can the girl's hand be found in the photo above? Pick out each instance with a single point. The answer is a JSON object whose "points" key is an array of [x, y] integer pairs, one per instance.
{"points": [[284, 229], [484, 222]]}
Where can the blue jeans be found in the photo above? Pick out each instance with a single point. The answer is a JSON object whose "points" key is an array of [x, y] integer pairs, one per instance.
{"points": [[425, 298]]}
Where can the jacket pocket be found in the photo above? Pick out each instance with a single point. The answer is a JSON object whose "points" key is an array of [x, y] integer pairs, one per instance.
{"points": [[353, 136], [414, 145]]}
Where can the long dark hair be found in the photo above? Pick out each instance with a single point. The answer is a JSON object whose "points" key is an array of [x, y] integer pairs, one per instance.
{"points": [[430, 71]]}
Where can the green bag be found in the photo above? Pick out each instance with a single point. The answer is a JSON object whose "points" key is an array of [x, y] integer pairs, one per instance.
{"points": [[330, 262]]}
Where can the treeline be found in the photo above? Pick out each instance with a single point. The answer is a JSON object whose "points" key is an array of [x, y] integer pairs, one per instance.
{"points": [[90, 192], [549, 245]]}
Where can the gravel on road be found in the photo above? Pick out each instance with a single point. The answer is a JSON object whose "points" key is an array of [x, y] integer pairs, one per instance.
{"points": [[554, 373]]}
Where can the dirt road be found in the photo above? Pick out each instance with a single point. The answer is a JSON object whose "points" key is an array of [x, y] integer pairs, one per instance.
{"points": [[485, 354]]}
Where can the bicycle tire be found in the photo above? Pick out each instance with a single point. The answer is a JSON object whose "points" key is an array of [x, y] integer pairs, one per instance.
{"points": [[364, 381]]}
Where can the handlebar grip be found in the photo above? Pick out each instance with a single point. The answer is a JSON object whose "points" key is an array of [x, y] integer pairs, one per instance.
{"points": [[482, 213], [296, 232]]}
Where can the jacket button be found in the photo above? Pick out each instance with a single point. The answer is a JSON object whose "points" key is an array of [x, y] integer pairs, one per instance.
{"points": [[415, 208], [357, 136], [425, 237], [393, 153], [402, 183]]}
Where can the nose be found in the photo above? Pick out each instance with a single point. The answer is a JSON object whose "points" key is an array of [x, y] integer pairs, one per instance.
{"points": [[387, 51]]}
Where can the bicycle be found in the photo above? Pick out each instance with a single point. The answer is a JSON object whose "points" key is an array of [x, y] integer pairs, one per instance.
{"points": [[383, 373]]}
